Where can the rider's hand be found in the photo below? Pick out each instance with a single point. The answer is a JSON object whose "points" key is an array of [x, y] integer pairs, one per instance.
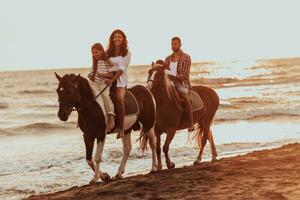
{"points": [[108, 82], [91, 76], [172, 77]]}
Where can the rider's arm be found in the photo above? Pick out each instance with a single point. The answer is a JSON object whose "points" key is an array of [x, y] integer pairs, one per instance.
{"points": [[183, 69], [124, 63], [116, 76], [105, 75]]}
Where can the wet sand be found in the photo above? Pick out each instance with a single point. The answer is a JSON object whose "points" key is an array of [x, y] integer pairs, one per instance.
{"points": [[267, 174]]}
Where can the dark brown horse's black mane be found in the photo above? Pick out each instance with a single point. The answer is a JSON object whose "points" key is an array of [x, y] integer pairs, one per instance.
{"points": [[82, 83]]}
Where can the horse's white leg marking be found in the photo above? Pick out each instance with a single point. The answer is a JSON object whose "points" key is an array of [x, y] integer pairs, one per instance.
{"points": [[98, 157], [152, 142], [126, 151]]}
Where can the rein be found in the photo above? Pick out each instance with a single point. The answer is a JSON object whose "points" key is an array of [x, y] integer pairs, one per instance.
{"points": [[101, 92], [82, 107]]}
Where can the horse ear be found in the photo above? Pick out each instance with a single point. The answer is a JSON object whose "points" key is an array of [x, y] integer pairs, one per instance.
{"points": [[57, 76]]}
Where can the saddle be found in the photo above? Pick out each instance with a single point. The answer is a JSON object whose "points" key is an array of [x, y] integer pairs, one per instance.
{"points": [[195, 99], [131, 107], [131, 111]]}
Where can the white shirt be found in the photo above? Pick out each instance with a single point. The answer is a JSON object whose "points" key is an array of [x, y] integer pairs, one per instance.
{"points": [[173, 69], [121, 63]]}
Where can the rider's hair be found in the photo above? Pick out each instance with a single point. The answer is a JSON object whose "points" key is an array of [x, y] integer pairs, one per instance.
{"points": [[111, 47], [176, 38], [99, 47]]}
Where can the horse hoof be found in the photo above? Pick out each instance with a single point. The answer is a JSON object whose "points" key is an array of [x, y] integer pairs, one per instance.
{"points": [[93, 181], [159, 167], [153, 171], [171, 165], [197, 162], [214, 160], [105, 177], [118, 176]]}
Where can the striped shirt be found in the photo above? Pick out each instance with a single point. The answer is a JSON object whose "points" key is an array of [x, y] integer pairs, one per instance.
{"points": [[102, 68]]}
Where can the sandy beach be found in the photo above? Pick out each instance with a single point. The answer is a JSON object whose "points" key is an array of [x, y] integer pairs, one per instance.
{"points": [[267, 174]]}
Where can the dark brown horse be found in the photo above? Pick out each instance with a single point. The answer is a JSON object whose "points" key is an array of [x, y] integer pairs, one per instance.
{"points": [[170, 118], [74, 92]]}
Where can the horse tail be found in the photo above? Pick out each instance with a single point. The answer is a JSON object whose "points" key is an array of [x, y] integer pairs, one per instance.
{"points": [[147, 116], [143, 140], [198, 133]]}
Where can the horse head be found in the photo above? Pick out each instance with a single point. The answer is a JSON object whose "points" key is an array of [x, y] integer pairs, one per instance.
{"points": [[156, 75], [68, 94]]}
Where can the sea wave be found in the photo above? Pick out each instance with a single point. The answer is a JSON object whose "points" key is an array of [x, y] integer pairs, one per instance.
{"points": [[256, 112], [46, 105], [252, 81], [42, 126], [37, 128], [35, 91], [3, 105]]}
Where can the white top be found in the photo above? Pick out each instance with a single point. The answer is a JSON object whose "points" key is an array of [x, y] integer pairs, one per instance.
{"points": [[121, 63], [173, 69], [103, 68]]}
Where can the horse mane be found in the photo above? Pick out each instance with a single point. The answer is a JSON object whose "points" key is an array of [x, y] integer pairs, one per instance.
{"points": [[83, 85], [168, 85], [160, 65]]}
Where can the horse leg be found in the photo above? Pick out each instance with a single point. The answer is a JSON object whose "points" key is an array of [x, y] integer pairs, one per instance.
{"points": [[89, 145], [126, 151], [170, 136], [213, 149], [158, 150], [206, 130], [98, 157], [152, 142]]}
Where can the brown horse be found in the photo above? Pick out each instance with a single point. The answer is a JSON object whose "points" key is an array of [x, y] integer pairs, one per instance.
{"points": [[170, 117], [75, 92]]}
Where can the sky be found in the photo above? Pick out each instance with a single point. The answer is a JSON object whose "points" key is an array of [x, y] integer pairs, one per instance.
{"points": [[42, 34]]}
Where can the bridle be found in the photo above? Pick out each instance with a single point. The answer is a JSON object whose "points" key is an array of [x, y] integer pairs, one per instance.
{"points": [[151, 80], [72, 107]]}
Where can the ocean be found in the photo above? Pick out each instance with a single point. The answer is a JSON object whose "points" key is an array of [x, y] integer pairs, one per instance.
{"points": [[259, 109]]}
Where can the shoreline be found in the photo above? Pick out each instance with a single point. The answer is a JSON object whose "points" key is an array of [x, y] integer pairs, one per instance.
{"points": [[266, 174]]}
